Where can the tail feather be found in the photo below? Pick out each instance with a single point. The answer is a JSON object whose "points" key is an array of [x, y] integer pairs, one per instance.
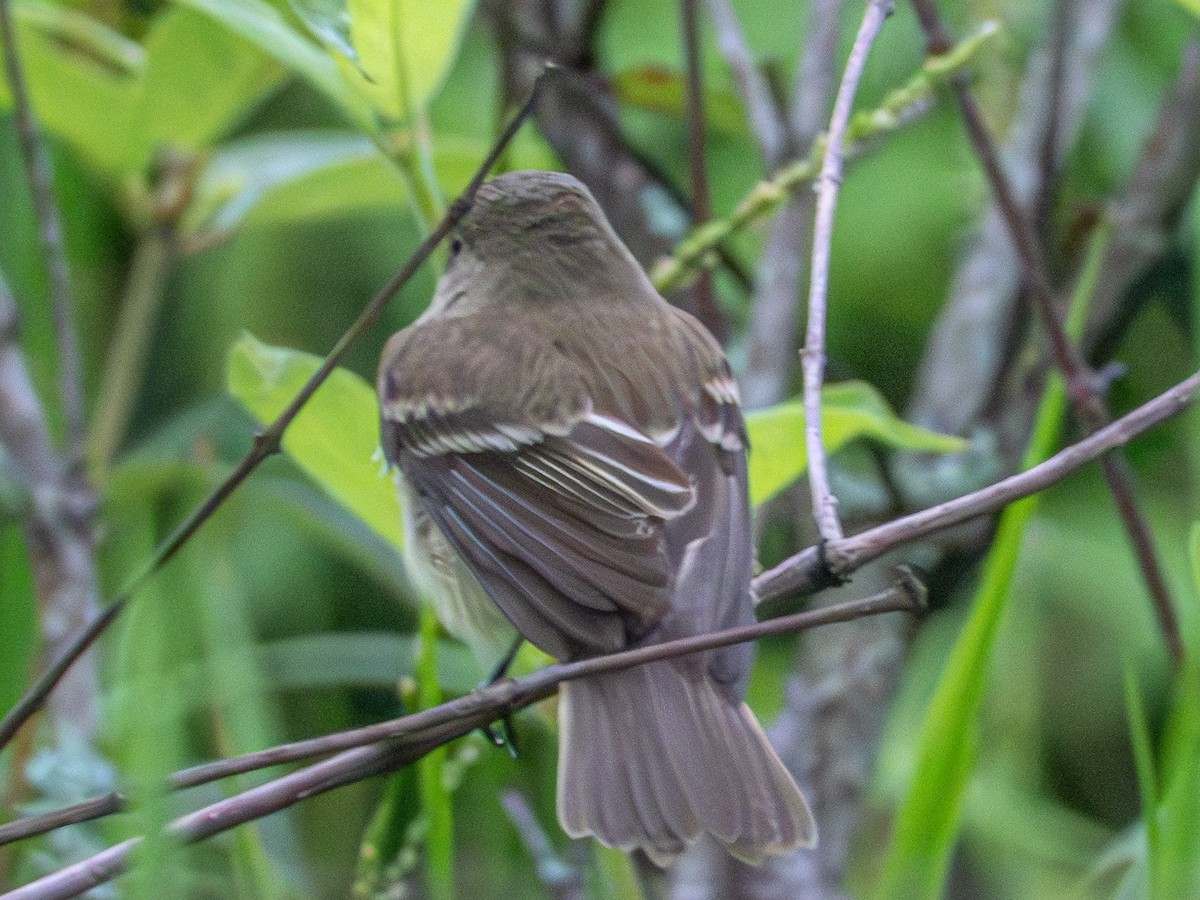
{"points": [[652, 757]]}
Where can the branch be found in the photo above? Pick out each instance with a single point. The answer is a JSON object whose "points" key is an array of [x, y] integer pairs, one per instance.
{"points": [[56, 522], [805, 572], [266, 442], [1147, 213], [87, 811], [697, 250], [813, 354], [964, 357], [697, 168], [1083, 387], [766, 123], [40, 175], [774, 313], [410, 736], [433, 727]]}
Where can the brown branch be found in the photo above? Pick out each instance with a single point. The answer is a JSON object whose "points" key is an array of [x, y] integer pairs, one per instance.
{"points": [[805, 572], [1082, 385], [828, 184], [762, 113], [266, 442], [402, 740], [1147, 213], [971, 341], [697, 167], [783, 266], [39, 174], [433, 727], [87, 811]]}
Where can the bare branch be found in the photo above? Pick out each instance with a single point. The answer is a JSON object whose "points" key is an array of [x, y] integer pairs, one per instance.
{"points": [[775, 310], [804, 572], [561, 880], [828, 184], [87, 811], [697, 166], [964, 358], [1147, 213], [265, 444], [441, 724], [766, 123], [57, 524], [1082, 386]]}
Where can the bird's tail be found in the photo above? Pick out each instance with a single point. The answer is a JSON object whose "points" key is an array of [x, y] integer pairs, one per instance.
{"points": [[653, 756]]}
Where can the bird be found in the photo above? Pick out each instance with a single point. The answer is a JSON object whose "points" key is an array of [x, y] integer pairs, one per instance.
{"points": [[570, 453]]}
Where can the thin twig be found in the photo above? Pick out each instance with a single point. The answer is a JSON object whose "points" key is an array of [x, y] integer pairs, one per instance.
{"points": [[439, 725], [698, 249], [88, 810], [697, 167], [783, 266], [801, 574], [798, 574], [509, 695], [766, 123], [828, 184], [1082, 385], [561, 880], [40, 174], [266, 443]]}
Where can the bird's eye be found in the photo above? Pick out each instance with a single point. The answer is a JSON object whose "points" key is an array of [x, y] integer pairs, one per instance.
{"points": [[455, 246]]}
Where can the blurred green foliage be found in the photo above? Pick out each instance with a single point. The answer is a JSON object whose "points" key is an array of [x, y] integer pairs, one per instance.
{"points": [[308, 150]]}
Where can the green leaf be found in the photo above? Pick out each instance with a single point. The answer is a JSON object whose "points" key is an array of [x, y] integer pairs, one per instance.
{"points": [[83, 80], [335, 438], [329, 22], [1192, 6], [927, 821], [262, 25], [405, 50], [200, 80], [116, 101], [661, 90], [849, 410]]}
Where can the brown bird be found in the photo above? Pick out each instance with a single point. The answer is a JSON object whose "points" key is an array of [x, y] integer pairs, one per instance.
{"points": [[572, 464]]}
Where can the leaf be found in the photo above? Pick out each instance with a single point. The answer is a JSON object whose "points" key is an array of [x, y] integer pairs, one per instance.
{"points": [[927, 821], [262, 25], [329, 22], [849, 410], [335, 437], [299, 176], [200, 81], [405, 50], [661, 90], [1192, 6], [83, 80], [116, 102]]}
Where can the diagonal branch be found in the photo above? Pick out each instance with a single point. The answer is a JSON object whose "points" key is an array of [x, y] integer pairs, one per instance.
{"points": [[266, 442], [377, 748], [1082, 385]]}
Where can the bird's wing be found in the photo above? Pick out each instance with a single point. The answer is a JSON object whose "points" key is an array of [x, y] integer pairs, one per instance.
{"points": [[558, 510]]}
